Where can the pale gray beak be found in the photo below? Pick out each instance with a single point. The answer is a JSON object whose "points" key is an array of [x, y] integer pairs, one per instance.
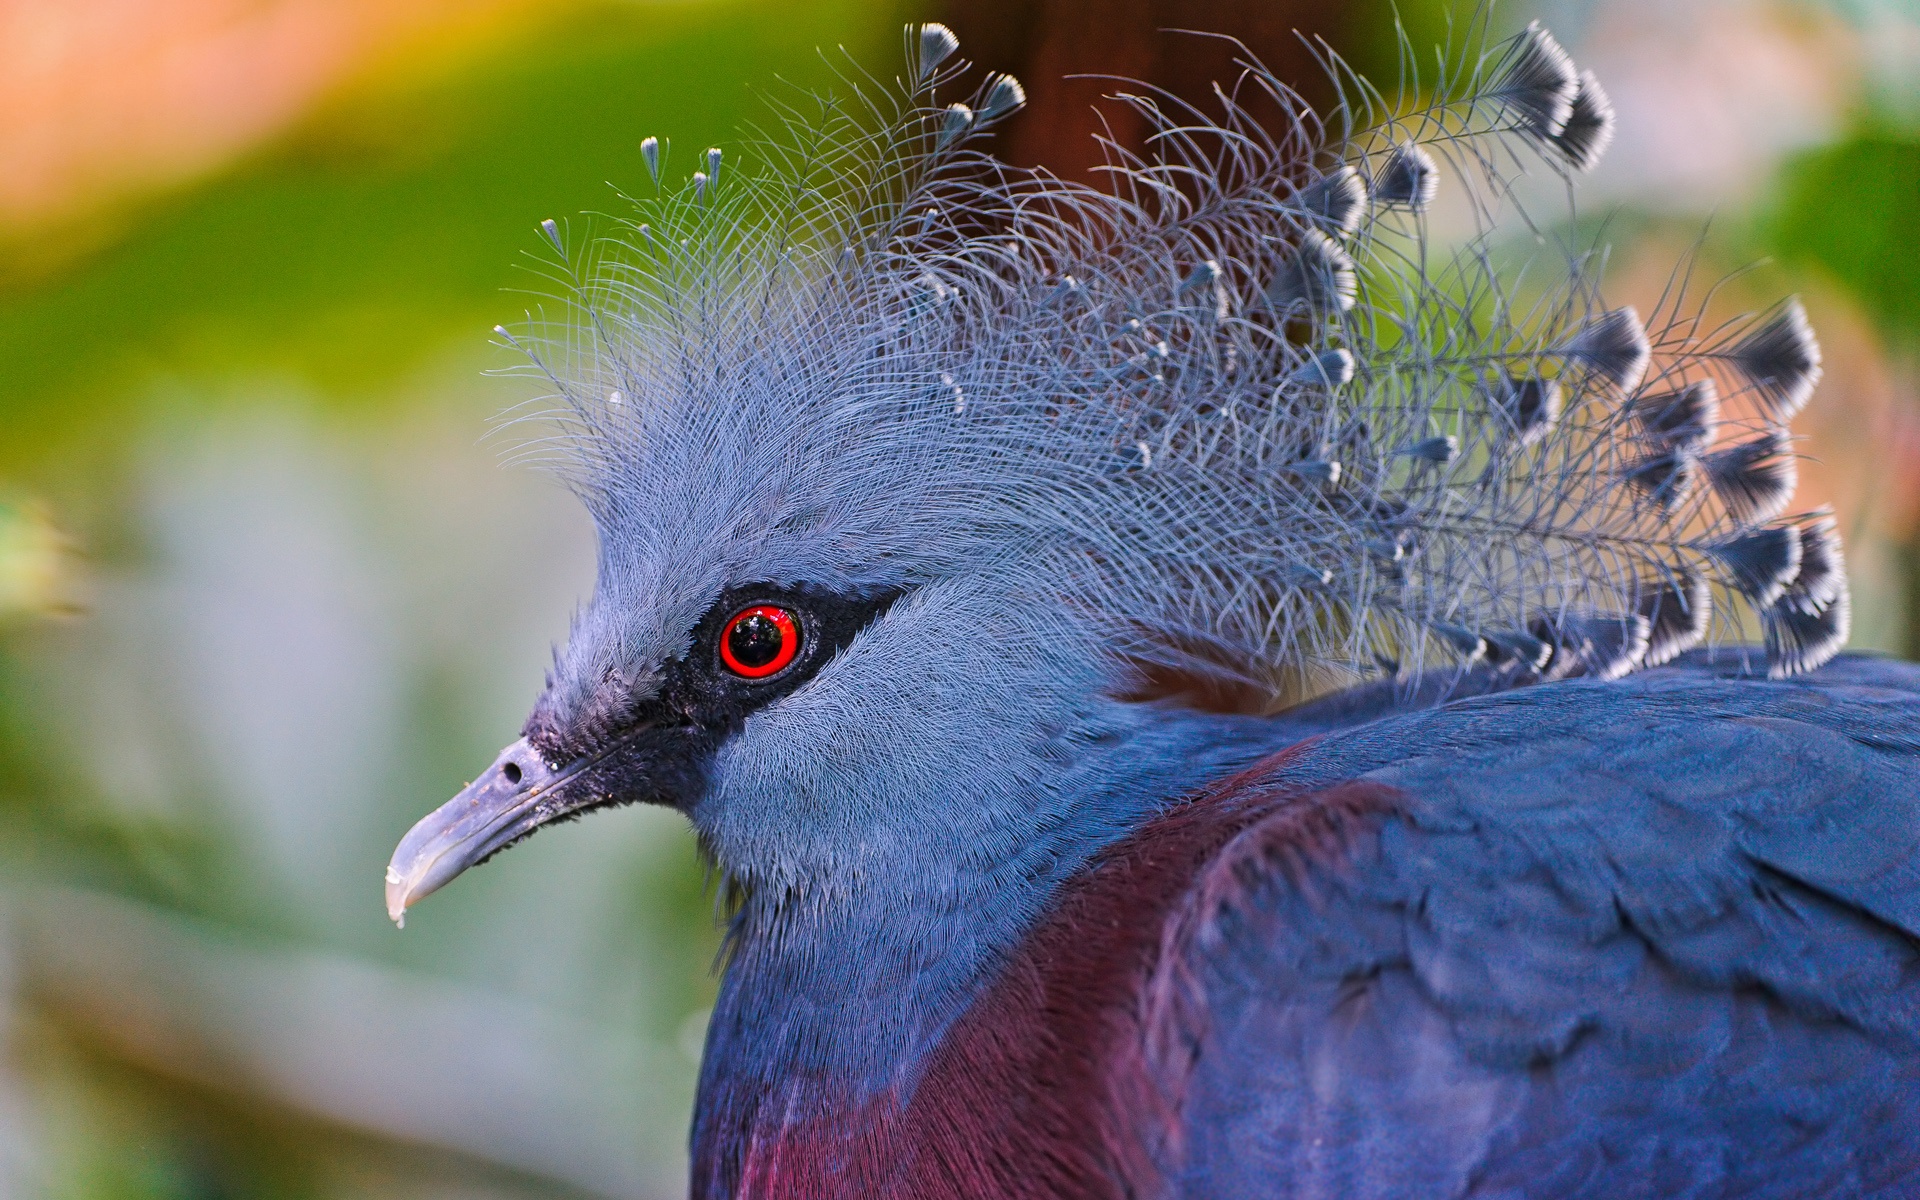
{"points": [[521, 791], [512, 798]]}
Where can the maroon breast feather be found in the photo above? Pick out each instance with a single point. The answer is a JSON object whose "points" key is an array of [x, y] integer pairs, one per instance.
{"points": [[1066, 1077]]}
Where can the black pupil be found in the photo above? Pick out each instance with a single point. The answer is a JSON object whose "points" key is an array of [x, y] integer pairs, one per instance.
{"points": [[755, 641]]}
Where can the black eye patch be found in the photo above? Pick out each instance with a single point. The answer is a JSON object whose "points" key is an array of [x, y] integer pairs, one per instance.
{"points": [[710, 688], [703, 696]]}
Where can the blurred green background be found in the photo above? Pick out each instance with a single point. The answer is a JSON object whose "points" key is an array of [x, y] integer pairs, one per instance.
{"points": [[267, 594]]}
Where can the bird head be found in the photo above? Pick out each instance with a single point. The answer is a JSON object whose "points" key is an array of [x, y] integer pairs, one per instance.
{"points": [[818, 608], [771, 650], [912, 471]]}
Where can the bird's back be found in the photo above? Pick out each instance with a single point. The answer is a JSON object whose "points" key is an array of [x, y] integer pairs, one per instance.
{"points": [[1654, 937]]}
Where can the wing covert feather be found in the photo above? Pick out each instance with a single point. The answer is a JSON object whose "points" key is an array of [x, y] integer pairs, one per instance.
{"points": [[1659, 937]]}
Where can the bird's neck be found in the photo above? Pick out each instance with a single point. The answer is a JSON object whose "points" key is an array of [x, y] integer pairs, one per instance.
{"points": [[832, 1005]]}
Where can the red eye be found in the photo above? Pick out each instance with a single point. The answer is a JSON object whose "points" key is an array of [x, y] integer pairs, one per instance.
{"points": [[760, 641]]}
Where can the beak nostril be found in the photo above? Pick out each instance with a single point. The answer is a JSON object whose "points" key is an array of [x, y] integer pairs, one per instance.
{"points": [[512, 771]]}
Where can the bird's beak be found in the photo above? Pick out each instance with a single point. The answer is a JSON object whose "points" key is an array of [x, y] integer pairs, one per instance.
{"points": [[512, 798]]}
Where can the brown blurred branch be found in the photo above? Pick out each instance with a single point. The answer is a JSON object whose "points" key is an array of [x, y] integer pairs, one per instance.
{"points": [[1046, 43]]}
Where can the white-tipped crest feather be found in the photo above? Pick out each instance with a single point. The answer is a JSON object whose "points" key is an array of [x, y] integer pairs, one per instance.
{"points": [[1589, 128], [937, 44]]}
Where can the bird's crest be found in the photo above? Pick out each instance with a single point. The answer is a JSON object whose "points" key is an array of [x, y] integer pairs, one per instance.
{"points": [[1239, 407]]}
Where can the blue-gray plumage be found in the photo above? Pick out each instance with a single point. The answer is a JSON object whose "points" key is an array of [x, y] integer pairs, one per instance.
{"points": [[1659, 937], [968, 539]]}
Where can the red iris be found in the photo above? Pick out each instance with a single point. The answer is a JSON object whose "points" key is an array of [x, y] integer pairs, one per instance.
{"points": [[759, 641]]}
